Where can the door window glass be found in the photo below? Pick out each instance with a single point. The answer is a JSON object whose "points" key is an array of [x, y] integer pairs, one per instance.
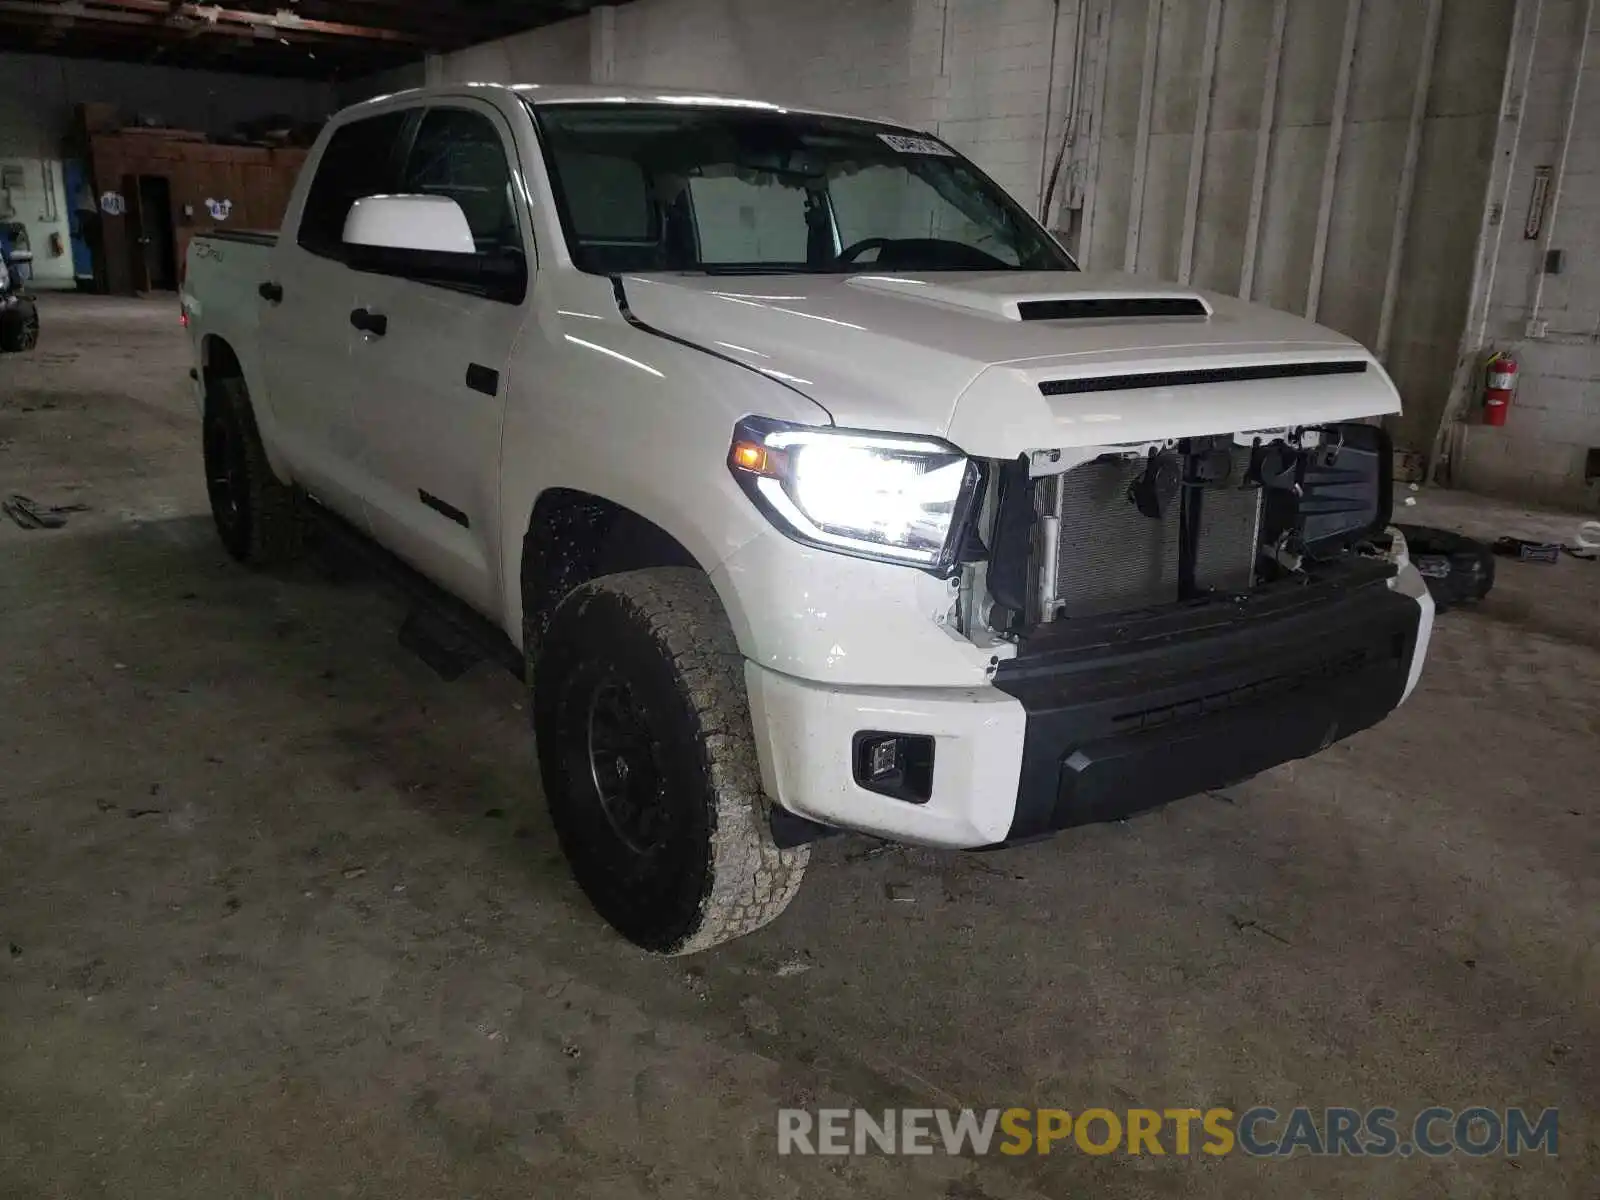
{"points": [[358, 162], [458, 154]]}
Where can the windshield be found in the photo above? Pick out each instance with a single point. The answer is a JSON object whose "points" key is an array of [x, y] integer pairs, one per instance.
{"points": [[738, 192]]}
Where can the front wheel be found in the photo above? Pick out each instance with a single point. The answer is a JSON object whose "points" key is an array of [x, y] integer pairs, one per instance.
{"points": [[649, 763]]}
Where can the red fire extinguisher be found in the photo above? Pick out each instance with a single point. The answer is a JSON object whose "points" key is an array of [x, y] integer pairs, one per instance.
{"points": [[1500, 385]]}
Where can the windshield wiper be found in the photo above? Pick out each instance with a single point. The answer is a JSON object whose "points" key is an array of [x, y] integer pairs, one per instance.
{"points": [[759, 269], [719, 269]]}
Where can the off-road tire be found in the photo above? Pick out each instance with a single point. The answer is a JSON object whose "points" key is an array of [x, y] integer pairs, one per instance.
{"points": [[258, 517], [19, 328], [662, 637]]}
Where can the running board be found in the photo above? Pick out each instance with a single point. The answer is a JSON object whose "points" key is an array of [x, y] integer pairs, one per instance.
{"points": [[446, 634]]}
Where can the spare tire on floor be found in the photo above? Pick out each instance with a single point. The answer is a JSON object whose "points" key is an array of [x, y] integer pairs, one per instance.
{"points": [[1458, 569]]}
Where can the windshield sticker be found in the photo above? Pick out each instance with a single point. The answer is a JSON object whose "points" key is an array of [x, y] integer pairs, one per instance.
{"points": [[916, 145]]}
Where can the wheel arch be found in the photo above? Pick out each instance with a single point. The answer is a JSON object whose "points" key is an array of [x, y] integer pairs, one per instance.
{"points": [[219, 361], [573, 537]]}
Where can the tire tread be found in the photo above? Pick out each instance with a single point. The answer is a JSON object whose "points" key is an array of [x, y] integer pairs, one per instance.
{"points": [[751, 879], [277, 522]]}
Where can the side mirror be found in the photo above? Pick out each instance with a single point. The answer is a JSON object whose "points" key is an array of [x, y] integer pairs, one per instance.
{"points": [[432, 223], [428, 239]]}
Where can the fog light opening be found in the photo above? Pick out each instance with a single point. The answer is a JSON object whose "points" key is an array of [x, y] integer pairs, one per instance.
{"points": [[898, 765]]}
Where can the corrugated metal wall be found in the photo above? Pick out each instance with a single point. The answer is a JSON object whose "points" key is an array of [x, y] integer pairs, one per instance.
{"points": [[1263, 145]]}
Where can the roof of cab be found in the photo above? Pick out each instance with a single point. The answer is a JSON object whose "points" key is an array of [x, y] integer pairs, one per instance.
{"points": [[540, 94]]}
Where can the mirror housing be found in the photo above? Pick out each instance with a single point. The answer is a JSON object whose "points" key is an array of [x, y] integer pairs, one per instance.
{"points": [[432, 223], [427, 239]]}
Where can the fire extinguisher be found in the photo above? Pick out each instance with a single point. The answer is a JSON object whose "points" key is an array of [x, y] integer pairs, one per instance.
{"points": [[1500, 386]]}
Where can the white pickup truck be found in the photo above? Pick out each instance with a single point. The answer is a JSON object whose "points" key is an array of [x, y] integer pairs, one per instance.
{"points": [[806, 479]]}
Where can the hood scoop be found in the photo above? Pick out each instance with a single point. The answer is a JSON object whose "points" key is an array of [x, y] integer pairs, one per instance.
{"points": [[1019, 296], [1171, 379], [1112, 308]]}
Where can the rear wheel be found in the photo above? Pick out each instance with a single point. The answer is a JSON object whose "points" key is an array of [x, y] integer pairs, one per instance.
{"points": [[257, 516], [19, 328], [649, 763]]}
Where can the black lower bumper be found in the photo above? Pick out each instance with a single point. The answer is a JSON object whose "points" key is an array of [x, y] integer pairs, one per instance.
{"points": [[1129, 714]]}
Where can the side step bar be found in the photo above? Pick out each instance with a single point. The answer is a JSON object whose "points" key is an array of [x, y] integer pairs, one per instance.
{"points": [[445, 633]]}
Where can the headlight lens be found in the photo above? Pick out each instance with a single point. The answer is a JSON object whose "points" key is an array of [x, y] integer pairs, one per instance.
{"points": [[882, 496]]}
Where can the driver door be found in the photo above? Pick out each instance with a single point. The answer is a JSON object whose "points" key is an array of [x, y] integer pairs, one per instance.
{"points": [[432, 385]]}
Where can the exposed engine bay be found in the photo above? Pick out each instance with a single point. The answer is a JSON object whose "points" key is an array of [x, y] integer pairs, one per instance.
{"points": [[1084, 534]]}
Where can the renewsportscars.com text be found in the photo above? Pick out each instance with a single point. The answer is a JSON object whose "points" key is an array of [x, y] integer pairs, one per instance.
{"points": [[1260, 1132]]}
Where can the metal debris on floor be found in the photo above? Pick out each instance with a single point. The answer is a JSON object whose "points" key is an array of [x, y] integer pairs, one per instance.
{"points": [[30, 514], [1524, 550], [1457, 569]]}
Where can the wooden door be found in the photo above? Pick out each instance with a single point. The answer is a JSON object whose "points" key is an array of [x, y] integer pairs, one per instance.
{"points": [[138, 236]]}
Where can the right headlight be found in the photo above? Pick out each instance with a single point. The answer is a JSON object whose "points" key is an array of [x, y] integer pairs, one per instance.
{"points": [[874, 495]]}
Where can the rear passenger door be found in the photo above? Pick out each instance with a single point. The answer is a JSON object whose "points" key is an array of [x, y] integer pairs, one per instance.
{"points": [[432, 387], [305, 315]]}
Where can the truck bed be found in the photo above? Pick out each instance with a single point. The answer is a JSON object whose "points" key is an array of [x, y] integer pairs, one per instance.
{"points": [[223, 272]]}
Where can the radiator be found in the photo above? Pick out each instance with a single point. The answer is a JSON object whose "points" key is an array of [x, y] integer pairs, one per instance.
{"points": [[1110, 557]]}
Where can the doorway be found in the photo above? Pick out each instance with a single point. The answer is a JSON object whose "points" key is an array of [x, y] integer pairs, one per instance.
{"points": [[152, 235]]}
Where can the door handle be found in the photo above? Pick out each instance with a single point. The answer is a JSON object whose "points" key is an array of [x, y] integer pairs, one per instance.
{"points": [[272, 293], [369, 322]]}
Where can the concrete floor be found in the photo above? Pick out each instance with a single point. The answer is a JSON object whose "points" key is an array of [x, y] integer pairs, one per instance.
{"points": [[282, 914]]}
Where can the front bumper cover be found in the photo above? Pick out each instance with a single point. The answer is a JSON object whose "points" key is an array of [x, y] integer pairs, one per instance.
{"points": [[1130, 713], [1097, 720]]}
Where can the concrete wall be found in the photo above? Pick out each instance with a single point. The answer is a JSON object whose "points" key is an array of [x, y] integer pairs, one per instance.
{"points": [[556, 53], [385, 83], [1548, 447], [1137, 178], [40, 203], [39, 94]]}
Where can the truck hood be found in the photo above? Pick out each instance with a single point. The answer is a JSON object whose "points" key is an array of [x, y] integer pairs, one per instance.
{"points": [[1008, 362]]}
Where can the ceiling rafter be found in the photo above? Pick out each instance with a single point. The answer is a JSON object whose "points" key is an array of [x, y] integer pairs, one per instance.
{"points": [[311, 38], [165, 13]]}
